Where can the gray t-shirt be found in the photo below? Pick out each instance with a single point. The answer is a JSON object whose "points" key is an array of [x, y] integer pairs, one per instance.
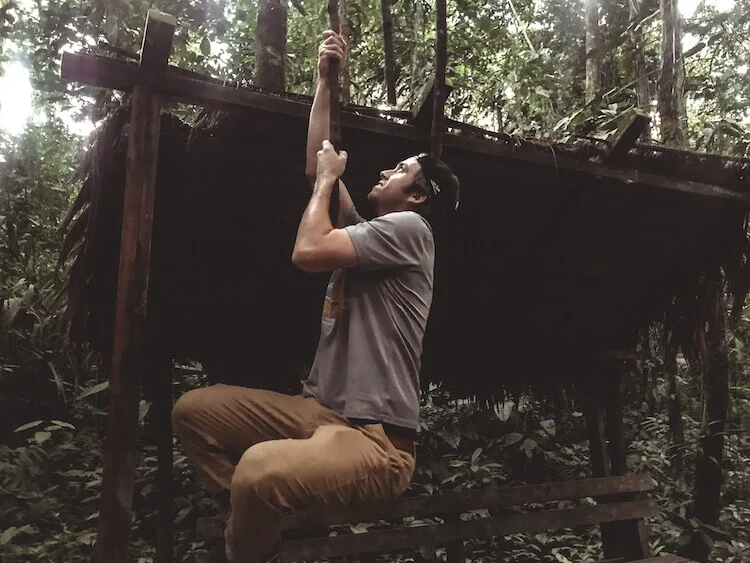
{"points": [[374, 318]]}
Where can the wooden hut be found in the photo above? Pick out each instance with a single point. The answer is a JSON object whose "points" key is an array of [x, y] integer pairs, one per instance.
{"points": [[559, 256]]}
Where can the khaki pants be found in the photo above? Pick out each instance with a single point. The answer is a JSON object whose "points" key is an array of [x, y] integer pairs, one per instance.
{"points": [[279, 453]]}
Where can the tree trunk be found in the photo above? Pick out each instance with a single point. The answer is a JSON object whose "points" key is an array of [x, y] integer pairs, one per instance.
{"points": [[270, 45], [390, 62], [674, 409], [417, 36], [346, 80], [441, 60], [642, 89], [593, 53], [708, 473], [672, 79]]}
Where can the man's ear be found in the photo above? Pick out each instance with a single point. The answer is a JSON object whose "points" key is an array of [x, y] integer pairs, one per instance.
{"points": [[417, 197]]}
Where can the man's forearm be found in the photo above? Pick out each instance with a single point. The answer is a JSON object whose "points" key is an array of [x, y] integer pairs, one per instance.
{"points": [[319, 127], [315, 223]]}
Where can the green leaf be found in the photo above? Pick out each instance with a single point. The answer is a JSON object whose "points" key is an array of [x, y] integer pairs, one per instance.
{"points": [[548, 426], [95, 389], [63, 424], [9, 533], [28, 425], [476, 455], [513, 438], [206, 46], [42, 437], [359, 528]]}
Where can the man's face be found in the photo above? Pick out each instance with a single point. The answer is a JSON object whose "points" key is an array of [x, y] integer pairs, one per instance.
{"points": [[393, 193]]}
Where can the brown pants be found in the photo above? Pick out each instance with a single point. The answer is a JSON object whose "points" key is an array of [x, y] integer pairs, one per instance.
{"points": [[279, 453]]}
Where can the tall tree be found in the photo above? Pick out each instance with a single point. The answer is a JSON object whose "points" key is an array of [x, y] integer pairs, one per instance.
{"points": [[390, 63], [708, 469], [593, 50], [642, 89], [672, 80], [674, 407], [346, 79], [270, 43]]}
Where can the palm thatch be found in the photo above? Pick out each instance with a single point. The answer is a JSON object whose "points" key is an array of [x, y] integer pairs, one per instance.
{"points": [[545, 268]]}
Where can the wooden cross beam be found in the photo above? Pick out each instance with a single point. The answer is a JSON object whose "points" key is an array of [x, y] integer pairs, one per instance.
{"points": [[129, 347], [178, 86]]}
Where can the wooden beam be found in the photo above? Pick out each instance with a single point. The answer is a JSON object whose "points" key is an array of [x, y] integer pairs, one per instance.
{"points": [[441, 534], [424, 506], [128, 351], [632, 126], [624, 175], [120, 75]]}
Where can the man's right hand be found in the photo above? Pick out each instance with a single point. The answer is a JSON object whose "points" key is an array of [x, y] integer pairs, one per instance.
{"points": [[332, 47]]}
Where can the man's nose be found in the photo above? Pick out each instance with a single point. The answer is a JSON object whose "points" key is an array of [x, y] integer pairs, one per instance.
{"points": [[384, 174]]}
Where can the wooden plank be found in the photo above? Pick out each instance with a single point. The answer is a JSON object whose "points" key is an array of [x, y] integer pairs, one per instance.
{"points": [[438, 534], [631, 127], [128, 351], [665, 559], [423, 506], [624, 175], [120, 75]]}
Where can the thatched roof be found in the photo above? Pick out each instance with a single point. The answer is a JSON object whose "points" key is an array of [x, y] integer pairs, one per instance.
{"points": [[554, 258]]}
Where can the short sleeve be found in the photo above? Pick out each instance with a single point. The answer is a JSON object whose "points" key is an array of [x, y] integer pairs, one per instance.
{"points": [[393, 240]]}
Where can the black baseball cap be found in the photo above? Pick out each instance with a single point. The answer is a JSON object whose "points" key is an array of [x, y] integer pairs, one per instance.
{"points": [[441, 182]]}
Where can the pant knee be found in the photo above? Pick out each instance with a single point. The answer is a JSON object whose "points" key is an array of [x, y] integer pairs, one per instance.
{"points": [[259, 475], [187, 408]]}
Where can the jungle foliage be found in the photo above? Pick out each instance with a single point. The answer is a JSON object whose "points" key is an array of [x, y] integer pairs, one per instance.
{"points": [[517, 66]]}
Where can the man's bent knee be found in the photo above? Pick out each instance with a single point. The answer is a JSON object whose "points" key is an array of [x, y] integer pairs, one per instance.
{"points": [[187, 406], [261, 475]]}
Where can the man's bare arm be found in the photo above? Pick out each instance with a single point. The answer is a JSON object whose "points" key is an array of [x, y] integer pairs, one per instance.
{"points": [[319, 127], [319, 247]]}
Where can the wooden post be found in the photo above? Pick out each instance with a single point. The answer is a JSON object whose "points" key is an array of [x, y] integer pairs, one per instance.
{"points": [[455, 550], [600, 463], [630, 536], [441, 60], [161, 368], [128, 351]]}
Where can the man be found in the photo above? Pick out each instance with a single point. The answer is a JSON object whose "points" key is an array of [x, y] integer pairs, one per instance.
{"points": [[350, 435]]}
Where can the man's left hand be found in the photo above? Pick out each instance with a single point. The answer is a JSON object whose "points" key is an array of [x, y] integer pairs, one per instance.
{"points": [[330, 163]]}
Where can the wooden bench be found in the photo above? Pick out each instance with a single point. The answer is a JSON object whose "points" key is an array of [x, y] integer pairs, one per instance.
{"points": [[620, 508]]}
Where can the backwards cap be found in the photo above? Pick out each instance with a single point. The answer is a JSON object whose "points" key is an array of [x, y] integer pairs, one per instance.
{"points": [[441, 181]]}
